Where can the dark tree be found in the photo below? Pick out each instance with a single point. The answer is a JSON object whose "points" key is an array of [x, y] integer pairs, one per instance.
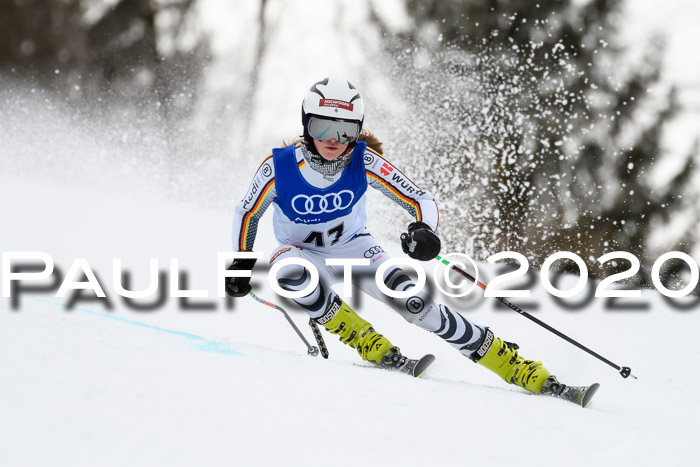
{"points": [[541, 141], [40, 36], [101, 49]]}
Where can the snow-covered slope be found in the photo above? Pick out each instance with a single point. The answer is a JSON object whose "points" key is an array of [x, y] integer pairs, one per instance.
{"points": [[222, 386]]}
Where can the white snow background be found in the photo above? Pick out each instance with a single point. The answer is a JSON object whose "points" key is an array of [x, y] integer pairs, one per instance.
{"points": [[99, 387], [174, 387]]}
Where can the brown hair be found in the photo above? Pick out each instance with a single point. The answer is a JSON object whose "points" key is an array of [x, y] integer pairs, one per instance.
{"points": [[365, 135]]}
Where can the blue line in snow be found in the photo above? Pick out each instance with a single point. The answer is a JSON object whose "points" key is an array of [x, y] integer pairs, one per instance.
{"points": [[206, 345]]}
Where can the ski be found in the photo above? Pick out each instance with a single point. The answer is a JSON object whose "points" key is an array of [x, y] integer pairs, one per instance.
{"points": [[415, 368], [588, 394], [579, 395], [408, 366]]}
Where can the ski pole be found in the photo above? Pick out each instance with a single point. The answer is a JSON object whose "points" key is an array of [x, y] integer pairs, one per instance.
{"points": [[319, 338], [313, 351], [625, 371]]}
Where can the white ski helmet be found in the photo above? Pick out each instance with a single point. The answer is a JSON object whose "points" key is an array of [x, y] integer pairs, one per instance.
{"points": [[333, 98]]}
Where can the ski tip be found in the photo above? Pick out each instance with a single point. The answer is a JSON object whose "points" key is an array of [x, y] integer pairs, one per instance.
{"points": [[590, 392], [423, 364]]}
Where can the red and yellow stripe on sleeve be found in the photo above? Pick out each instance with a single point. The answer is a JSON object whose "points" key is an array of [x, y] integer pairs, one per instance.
{"points": [[393, 190], [245, 228], [259, 203]]}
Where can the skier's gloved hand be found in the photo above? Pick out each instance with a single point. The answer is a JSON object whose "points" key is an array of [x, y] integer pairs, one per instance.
{"points": [[420, 242], [239, 286]]}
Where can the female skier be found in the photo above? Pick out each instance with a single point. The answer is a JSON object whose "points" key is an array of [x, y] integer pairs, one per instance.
{"points": [[317, 187]]}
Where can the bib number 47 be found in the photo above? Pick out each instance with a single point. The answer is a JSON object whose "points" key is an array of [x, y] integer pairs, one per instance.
{"points": [[319, 239]]}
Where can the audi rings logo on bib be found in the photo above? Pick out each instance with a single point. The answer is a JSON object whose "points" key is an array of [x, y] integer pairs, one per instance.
{"points": [[320, 204], [375, 250]]}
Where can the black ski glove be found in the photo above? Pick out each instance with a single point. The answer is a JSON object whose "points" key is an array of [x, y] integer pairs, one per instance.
{"points": [[239, 286], [420, 242]]}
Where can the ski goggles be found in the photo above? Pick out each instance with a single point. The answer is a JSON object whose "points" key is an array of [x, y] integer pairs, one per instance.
{"points": [[343, 131]]}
